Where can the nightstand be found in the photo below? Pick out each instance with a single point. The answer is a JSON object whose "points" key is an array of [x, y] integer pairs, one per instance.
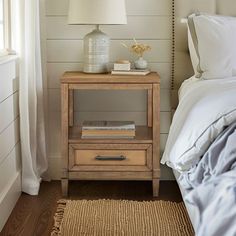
{"points": [[142, 154]]}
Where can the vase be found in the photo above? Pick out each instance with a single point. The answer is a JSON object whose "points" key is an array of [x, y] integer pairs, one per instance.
{"points": [[140, 64]]}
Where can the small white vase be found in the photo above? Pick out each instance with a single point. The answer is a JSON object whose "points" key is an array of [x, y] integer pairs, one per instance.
{"points": [[140, 64]]}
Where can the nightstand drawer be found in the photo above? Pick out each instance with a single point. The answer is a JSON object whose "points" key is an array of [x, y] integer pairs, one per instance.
{"points": [[113, 157]]}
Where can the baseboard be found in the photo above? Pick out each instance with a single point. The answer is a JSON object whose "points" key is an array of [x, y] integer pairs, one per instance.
{"points": [[8, 199]]}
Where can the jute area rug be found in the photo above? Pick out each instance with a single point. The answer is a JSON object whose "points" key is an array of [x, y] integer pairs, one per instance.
{"points": [[126, 218]]}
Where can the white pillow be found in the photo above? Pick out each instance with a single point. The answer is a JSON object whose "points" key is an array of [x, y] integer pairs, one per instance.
{"points": [[214, 39], [193, 54]]}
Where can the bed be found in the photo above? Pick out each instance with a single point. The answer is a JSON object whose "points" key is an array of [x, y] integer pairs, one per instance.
{"points": [[223, 91]]}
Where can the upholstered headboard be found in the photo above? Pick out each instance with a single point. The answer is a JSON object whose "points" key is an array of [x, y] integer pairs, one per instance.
{"points": [[182, 67]]}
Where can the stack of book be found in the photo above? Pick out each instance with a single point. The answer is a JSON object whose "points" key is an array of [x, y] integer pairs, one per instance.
{"points": [[108, 130], [130, 72], [123, 67]]}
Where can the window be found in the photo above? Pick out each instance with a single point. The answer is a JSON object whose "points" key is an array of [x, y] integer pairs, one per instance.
{"points": [[1, 26], [5, 27]]}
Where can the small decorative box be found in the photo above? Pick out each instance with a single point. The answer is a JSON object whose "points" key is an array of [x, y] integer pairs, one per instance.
{"points": [[122, 65]]}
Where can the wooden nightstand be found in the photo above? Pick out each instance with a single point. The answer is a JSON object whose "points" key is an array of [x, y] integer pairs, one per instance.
{"points": [[142, 154]]}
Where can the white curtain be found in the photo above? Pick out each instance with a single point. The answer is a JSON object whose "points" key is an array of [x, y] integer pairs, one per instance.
{"points": [[32, 121]]}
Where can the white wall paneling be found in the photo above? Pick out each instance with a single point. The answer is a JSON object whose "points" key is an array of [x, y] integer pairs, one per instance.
{"points": [[149, 22], [134, 7], [57, 28], [10, 109], [72, 50], [10, 163], [8, 80], [8, 139], [11, 194]]}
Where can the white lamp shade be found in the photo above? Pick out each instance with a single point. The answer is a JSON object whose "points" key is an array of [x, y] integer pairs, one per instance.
{"points": [[97, 12]]}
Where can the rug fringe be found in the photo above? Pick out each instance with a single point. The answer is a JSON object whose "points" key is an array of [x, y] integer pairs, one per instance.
{"points": [[61, 205]]}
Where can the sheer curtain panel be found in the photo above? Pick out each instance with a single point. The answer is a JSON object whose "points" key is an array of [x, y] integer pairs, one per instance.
{"points": [[32, 121]]}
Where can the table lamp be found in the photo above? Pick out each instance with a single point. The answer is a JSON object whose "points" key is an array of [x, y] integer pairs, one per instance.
{"points": [[96, 43]]}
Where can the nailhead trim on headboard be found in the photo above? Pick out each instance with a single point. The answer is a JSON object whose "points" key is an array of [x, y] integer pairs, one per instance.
{"points": [[173, 45]]}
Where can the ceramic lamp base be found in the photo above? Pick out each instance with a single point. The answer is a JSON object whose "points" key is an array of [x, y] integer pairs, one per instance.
{"points": [[96, 52]]}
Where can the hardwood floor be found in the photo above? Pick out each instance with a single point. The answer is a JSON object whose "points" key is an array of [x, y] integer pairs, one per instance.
{"points": [[33, 216]]}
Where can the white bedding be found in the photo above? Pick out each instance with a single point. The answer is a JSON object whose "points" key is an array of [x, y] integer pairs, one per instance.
{"points": [[190, 209], [205, 108]]}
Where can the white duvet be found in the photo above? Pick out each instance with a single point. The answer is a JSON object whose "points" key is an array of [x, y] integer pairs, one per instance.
{"points": [[205, 108]]}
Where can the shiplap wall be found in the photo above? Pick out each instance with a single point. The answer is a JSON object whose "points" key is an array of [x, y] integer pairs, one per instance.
{"points": [[10, 167], [149, 22]]}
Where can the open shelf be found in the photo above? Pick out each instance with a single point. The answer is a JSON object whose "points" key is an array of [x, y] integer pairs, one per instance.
{"points": [[143, 135]]}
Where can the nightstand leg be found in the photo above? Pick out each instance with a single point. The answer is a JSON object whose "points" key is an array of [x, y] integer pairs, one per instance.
{"points": [[64, 136], [155, 187], [64, 187], [71, 108], [156, 139], [149, 108]]}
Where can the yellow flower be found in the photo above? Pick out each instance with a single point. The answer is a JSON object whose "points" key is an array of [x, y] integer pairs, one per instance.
{"points": [[138, 48]]}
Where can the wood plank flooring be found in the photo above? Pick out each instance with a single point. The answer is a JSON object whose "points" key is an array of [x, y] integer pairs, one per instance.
{"points": [[33, 216]]}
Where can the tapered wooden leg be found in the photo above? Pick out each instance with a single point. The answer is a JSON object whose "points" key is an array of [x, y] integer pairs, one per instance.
{"points": [[149, 108], [155, 187], [156, 138], [64, 137], [64, 187], [71, 108]]}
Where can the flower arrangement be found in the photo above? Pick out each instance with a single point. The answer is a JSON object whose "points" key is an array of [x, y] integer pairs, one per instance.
{"points": [[138, 48]]}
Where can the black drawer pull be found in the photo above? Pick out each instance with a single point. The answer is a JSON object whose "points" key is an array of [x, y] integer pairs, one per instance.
{"points": [[110, 158]]}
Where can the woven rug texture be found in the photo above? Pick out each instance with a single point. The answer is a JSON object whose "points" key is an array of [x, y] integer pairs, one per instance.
{"points": [[121, 218]]}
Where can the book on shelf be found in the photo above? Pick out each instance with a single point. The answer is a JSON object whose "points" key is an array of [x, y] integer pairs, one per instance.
{"points": [[131, 72], [107, 137], [108, 132], [108, 125], [108, 129]]}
